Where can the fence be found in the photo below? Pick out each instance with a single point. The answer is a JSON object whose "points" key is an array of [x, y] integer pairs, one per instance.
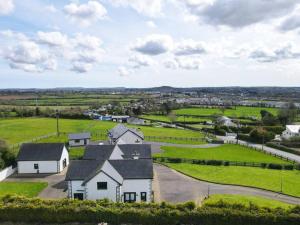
{"points": [[14, 146], [225, 163], [6, 172]]}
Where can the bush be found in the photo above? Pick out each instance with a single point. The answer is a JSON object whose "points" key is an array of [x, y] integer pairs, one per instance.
{"points": [[275, 166], [174, 160], [258, 135], [214, 162], [288, 167]]}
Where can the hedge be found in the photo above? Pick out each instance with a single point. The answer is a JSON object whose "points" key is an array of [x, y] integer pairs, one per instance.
{"points": [[282, 148], [19, 209]]}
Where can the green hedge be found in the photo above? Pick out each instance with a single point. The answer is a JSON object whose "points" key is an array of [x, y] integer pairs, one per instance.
{"points": [[19, 209], [283, 148]]}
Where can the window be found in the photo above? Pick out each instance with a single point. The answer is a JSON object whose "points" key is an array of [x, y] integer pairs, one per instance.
{"points": [[77, 141], [101, 185], [143, 196], [78, 196], [36, 166], [129, 197]]}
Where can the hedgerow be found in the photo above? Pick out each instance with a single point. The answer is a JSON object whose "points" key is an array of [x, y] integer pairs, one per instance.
{"points": [[20, 209]]}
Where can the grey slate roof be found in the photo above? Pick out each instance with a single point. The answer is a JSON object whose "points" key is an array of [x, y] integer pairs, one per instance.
{"points": [[40, 152], [120, 129], [134, 169], [79, 136], [143, 151], [82, 169], [100, 152]]}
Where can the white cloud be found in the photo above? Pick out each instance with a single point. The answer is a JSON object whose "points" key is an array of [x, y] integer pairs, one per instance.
{"points": [[81, 67], [6, 7], [51, 8], [28, 56], [184, 62], [189, 47], [150, 8], [85, 14], [154, 44], [151, 24], [52, 38], [291, 23], [87, 41], [13, 35], [123, 71], [239, 13], [141, 61]]}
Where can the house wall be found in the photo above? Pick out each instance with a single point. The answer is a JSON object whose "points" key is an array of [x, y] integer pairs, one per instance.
{"points": [[6, 172], [129, 138], [64, 155], [138, 186], [74, 186], [117, 153], [44, 166], [80, 143]]}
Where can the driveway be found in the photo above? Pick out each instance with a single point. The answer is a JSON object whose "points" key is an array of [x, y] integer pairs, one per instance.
{"points": [[172, 186], [56, 183]]}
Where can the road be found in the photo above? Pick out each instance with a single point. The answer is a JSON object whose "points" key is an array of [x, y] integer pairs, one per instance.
{"points": [[267, 149], [172, 186]]}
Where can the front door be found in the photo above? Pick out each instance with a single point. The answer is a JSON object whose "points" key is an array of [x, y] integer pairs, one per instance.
{"points": [[64, 163], [129, 197], [78, 196]]}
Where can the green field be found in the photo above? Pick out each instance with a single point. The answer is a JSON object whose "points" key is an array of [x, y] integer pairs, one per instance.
{"points": [[27, 189], [178, 118], [249, 176], [227, 152], [246, 200], [25, 129], [240, 111], [76, 152]]}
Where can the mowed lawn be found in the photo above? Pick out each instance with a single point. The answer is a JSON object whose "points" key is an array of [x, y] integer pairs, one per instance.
{"points": [[25, 129], [27, 189], [246, 200], [226, 152], [249, 176], [240, 111]]}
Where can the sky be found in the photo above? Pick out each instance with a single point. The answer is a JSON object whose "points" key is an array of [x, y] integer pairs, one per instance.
{"points": [[147, 43]]}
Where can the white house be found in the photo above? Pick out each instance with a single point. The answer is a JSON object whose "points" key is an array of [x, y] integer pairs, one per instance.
{"points": [[291, 131], [121, 134], [225, 121], [121, 173], [42, 158], [79, 139]]}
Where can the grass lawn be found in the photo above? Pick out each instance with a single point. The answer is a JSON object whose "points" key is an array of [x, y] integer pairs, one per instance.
{"points": [[249, 176], [25, 129], [240, 111], [76, 152], [27, 189], [178, 118], [246, 200], [229, 152]]}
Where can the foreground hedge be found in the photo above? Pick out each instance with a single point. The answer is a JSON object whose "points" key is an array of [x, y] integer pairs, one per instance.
{"points": [[19, 209]]}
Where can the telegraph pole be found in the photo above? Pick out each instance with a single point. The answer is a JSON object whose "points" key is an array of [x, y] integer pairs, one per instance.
{"points": [[57, 124]]}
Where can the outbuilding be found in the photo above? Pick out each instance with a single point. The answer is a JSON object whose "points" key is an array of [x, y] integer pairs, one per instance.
{"points": [[79, 139], [42, 158]]}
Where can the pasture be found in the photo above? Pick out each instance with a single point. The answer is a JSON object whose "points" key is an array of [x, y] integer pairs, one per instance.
{"points": [[286, 181], [226, 152], [246, 201], [27, 189], [240, 111]]}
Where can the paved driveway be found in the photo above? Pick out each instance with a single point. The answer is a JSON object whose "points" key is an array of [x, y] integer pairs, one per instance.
{"points": [[56, 183], [172, 186]]}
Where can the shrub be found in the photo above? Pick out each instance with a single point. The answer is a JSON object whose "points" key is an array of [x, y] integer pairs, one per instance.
{"points": [[214, 162], [288, 167], [275, 166], [226, 163], [174, 160], [263, 165]]}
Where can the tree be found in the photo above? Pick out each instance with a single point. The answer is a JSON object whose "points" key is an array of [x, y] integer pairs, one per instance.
{"points": [[288, 114], [172, 117], [268, 119], [223, 109]]}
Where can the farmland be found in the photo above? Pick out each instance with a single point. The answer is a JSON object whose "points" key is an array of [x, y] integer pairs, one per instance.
{"points": [[240, 111], [176, 119], [246, 201], [254, 177], [27, 189], [228, 152]]}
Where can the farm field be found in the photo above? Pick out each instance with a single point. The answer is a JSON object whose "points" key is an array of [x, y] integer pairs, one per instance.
{"points": [[227, 152], [27, 189], [240, 111], [178, 118], [76, 152], [25, 129], [254, 177], [246, 200]]}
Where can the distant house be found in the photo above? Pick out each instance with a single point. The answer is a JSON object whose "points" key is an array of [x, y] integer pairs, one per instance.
{"points": [[119, 119], [121, 134], [79, 139], [225, 121], [135, 121], [291, 131], [121, 173], [42, 158]]}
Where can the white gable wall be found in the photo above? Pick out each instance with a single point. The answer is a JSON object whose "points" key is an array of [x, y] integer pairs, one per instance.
{"points": [[64, 155], [44, 166], [138, 186], [73, 143], [129, 138], [75, 186], [117, 153]]}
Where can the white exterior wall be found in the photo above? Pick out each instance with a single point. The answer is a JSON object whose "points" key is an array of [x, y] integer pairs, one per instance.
{"points": [[72, 143], [74, 186], [92, 193], [129, 138], [6, 172], [138, 186], [117, 153], [64, 155], [44, 166]]}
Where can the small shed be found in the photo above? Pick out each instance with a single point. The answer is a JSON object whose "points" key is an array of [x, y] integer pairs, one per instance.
{"points": [[79, 139]]}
